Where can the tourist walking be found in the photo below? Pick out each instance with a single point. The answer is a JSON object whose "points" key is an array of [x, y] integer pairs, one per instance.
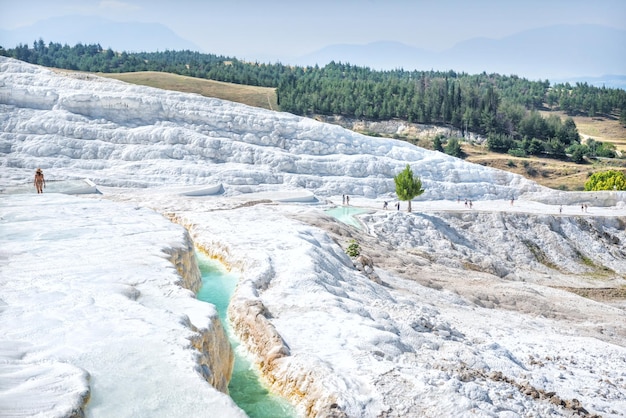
{"points": [[40, 181]]}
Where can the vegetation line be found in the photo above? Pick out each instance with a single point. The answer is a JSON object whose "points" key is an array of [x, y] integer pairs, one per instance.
{"points": [[508, 111]]}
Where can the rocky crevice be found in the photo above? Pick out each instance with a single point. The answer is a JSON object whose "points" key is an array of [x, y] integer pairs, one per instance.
{"points": [[186, 264], [251, 323], [215, 356], [466, 374]]}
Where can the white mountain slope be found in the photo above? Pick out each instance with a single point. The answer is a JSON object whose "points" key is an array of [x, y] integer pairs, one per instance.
{"points": [[119, 134], [468, 320]]}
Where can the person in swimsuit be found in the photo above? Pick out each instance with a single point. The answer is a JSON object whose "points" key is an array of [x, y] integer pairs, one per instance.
{"points": [[40, 182]]}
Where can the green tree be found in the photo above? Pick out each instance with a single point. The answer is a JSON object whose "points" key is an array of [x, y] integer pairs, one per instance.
{"points": [[600, 149], [453, 148], [437, 145], [502, 107], [606, 180], [500, 143], [408, 186], [535, 147], [578, 153]]}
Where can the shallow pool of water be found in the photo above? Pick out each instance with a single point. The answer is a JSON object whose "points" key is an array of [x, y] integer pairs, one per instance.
{"points": [[346, 214], [245, 387], [64, 186]]}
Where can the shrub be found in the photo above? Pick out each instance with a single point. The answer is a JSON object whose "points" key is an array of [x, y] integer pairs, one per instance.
{"points": [[606, 180], [437, 144], [499, 142], [353, 249], [535, 147], [453, 148], [530, 170], [517, 152], [600, 149], [578, 153]]}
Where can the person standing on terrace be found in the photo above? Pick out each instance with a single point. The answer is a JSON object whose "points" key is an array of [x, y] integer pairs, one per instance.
{"points": [[40, 181]]}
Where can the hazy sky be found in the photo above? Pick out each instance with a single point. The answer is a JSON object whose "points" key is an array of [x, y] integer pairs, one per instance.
{"points": [[249, 28]]}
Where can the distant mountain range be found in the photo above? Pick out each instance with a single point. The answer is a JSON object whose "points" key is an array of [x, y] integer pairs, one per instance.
{"points": [[586, 53], [608, 80], [563, 52], [119, 36]]}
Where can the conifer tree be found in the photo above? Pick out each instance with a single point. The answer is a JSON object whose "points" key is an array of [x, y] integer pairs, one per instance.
{"points": [[408, 186], [453, 148]]}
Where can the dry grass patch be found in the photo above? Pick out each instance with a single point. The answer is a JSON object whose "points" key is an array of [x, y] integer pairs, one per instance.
{"points": [[263, 97], [556, 174], [598, 294], [600, 128]]}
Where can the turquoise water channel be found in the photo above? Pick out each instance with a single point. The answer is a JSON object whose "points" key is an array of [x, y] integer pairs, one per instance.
{"points": [[346, 214], [245, 386]]}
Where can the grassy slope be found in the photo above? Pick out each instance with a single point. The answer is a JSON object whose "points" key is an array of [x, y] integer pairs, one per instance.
{"points": [[263, 97], [551, 173], [561, 174]]}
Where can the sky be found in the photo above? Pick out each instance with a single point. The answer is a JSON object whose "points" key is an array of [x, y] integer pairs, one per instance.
{"points": [[280, 28]]}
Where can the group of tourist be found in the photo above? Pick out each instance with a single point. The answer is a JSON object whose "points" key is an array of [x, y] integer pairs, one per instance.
{"points": [[386, 205]]}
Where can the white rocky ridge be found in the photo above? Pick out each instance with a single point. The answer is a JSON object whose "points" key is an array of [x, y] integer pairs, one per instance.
{"points": [[119, 134], [471, 317], [96, 307]]}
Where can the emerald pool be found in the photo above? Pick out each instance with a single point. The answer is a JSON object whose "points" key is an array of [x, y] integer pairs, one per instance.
{"points": [[246, 388]]}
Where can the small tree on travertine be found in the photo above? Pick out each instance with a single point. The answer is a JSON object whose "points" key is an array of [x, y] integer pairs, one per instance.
{"points": [[408, 186], [353, 250]]}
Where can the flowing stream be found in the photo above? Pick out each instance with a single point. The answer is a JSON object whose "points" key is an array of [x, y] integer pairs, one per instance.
{"points": [[245, 387]]}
